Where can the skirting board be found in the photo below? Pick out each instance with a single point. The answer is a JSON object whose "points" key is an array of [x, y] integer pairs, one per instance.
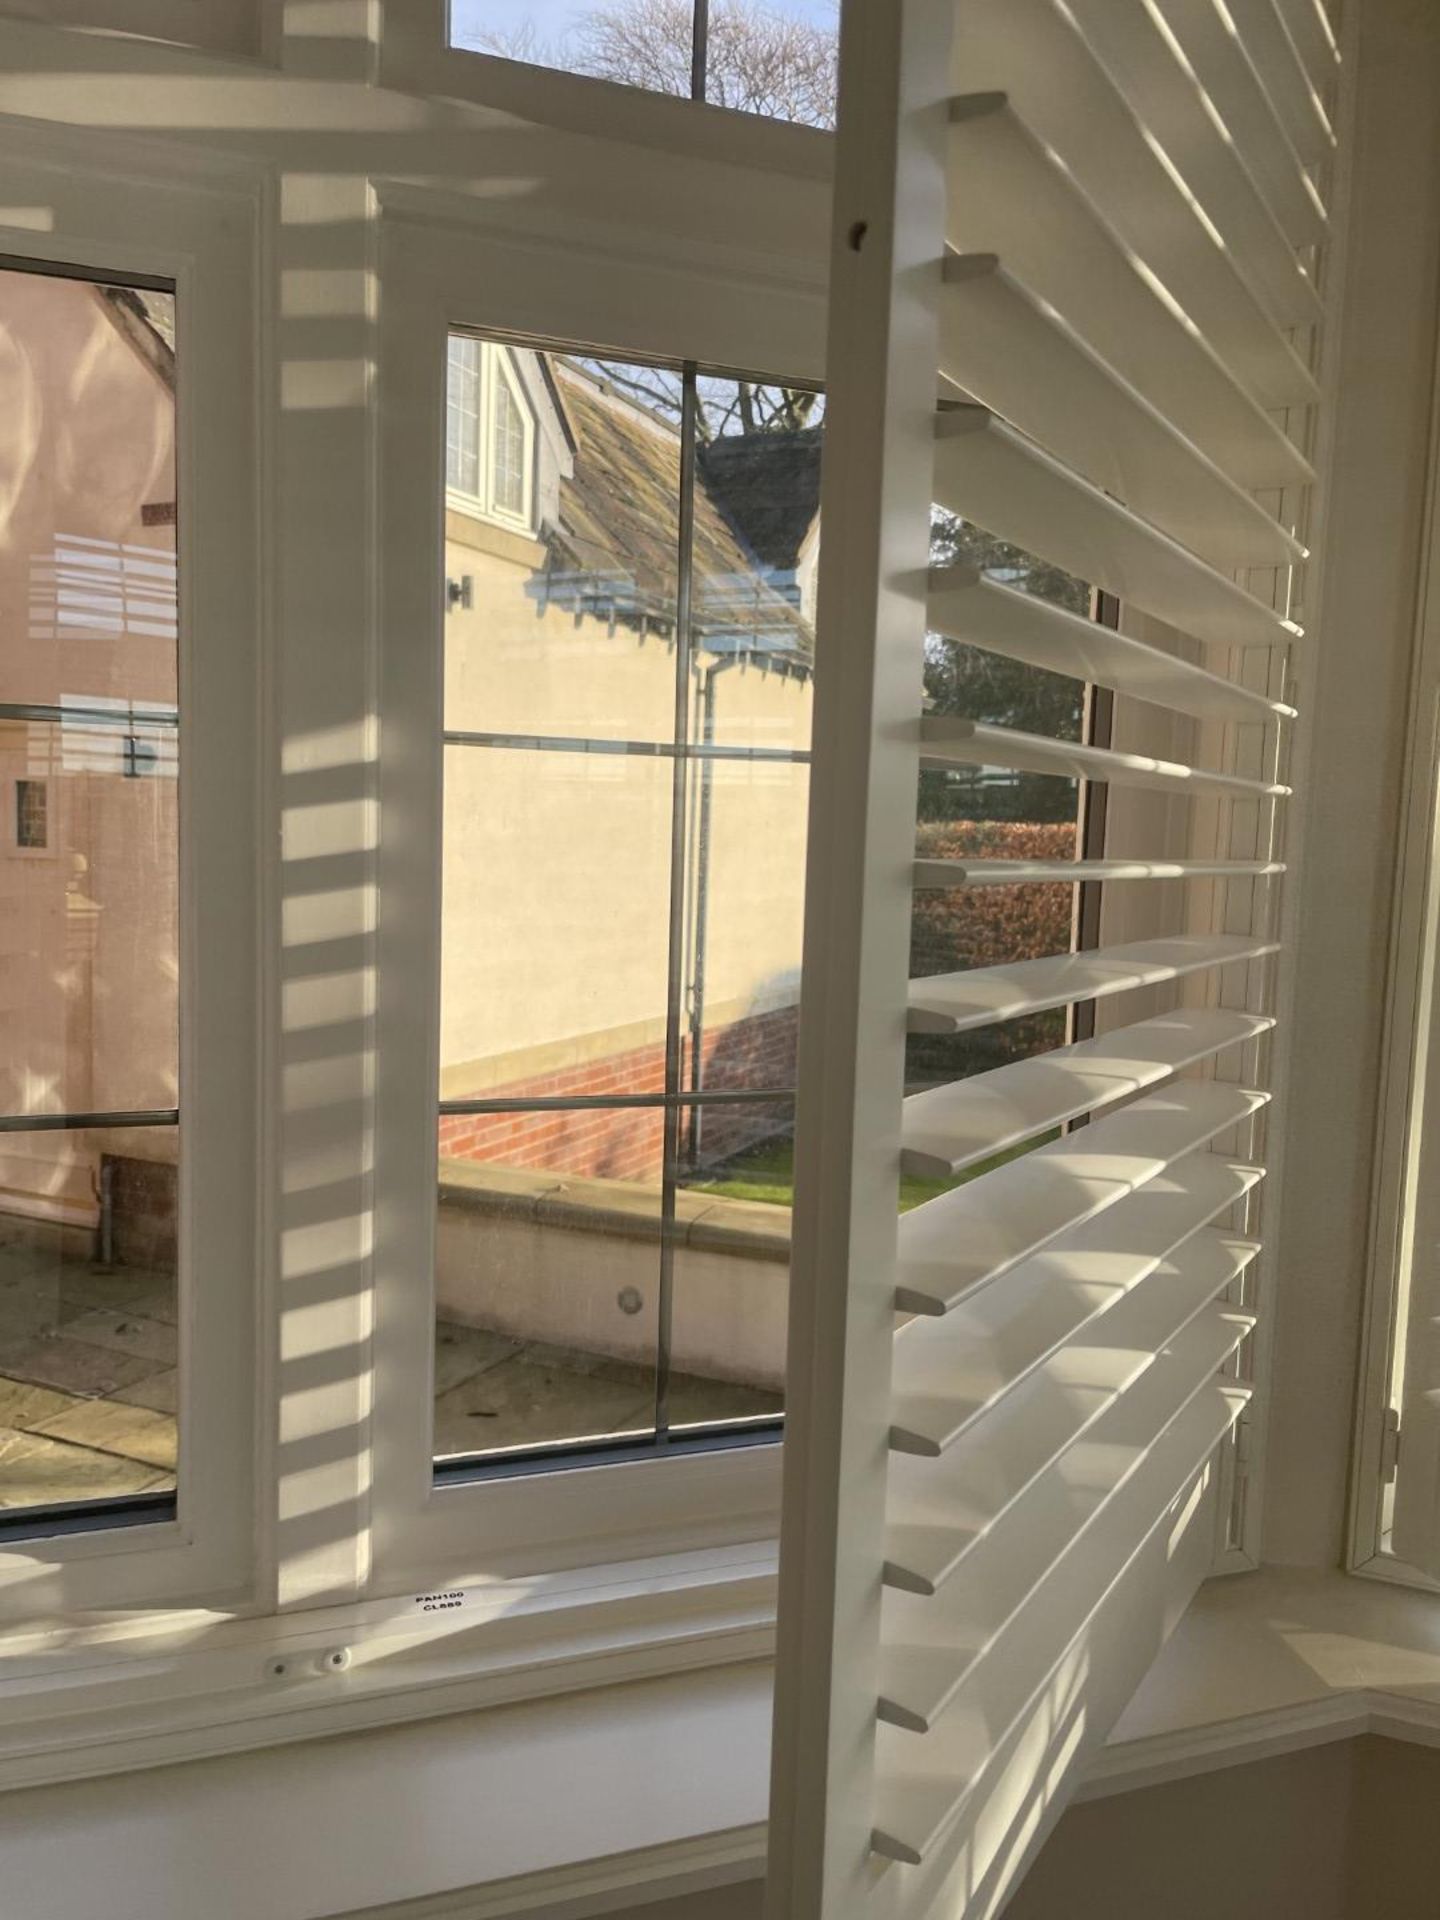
{"points": [[1231, 1743], [596, 1886]]}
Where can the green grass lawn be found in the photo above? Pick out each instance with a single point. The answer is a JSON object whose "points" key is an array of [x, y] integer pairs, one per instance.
{"points": [[767, 1173]]}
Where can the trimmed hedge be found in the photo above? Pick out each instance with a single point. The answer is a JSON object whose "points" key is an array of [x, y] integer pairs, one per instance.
{"points": [[958, 928]]}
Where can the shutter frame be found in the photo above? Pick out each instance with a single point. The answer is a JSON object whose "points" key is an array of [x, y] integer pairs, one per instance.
{"points": [[1092, 1305]]}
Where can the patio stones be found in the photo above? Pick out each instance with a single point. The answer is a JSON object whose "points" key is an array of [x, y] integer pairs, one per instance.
{"points": [[525, 1402], [89, 1387], [36, 1471], [159, 1391], [126, 1332], [111, 1426]]}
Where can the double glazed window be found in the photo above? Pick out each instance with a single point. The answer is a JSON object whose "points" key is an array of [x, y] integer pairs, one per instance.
{"points": [[89, 957]]}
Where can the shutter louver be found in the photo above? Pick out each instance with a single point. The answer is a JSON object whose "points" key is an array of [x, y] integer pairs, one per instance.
{"points": [[1097, 231]]}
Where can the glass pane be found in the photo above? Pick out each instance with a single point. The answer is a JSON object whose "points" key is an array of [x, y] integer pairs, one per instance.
{"points": [[776, 58], [547, 1280], [87, 481], [992, 813], [732, 1263], [89, 941], [572, 633], [757, 551], [88, 1311], [744, 920], [89, 881], [556, 884], [509, 450], [648, 44], [462, 415]]}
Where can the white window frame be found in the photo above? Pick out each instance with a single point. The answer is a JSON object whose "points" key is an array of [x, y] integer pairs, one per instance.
{"points": [[495, 366], [437, 280], [1407, 1134], [126, 217], [415, 57]]}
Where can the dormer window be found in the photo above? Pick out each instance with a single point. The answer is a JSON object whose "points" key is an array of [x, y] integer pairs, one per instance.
{"points": [[489, 435]]}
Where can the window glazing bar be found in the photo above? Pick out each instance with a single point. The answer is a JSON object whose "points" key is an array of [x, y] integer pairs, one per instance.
{"points": [[75, 1122], [122, 717], [602, 1102], [647, 749]]}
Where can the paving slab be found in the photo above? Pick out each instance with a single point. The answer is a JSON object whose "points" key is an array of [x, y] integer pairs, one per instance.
{"points": [[159, 1391], [127, 1332], [72, 1366], [525, 1403], [112, 1426], [36, 1471]]}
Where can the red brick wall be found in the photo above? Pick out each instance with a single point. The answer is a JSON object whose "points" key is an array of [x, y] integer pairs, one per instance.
{"points": [[627, 1143]]}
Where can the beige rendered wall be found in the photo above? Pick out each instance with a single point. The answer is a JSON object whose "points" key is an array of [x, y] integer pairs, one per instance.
{"points": [[557, 865]]}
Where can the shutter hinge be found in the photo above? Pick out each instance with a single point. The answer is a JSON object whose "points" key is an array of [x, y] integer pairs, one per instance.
{"points": [[1389, 1444], [1242, 1447]]}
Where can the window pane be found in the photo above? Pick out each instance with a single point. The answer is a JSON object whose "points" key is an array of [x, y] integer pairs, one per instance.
{"points": [[776, 58], [88, 1341], [547, 1283], [732, 1266], [556, 885], [90, 940], [87, 475], [509, 450], [772, 57], [757, 551], [573, 633], [745, 923], [462, 416], [991, 813], [642, 43], [89, 866]]}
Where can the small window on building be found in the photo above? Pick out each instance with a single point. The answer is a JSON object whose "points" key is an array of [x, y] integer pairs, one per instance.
{"points": [[509, 457], [462, 421], [32, 814], [489, 433]]}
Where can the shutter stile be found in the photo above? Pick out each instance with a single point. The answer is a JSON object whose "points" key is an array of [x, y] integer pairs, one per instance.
{"points": [[1098, 233]]}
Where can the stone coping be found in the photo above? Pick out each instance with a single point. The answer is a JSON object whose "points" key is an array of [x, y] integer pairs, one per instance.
{"points": [[707, 1222]]}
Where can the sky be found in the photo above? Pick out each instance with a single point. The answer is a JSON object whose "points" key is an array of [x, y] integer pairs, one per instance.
{"points": [[551, 17]]}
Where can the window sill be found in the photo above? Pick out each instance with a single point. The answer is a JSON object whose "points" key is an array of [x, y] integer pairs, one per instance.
{"points": [[1273, 1661], [113, 1696]]}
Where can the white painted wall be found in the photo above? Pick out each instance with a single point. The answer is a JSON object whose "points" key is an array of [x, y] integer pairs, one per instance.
{"points": [[1338, 1832]]}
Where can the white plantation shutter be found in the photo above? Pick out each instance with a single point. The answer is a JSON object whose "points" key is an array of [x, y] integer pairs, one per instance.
{"points": [[1096, 228]]}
